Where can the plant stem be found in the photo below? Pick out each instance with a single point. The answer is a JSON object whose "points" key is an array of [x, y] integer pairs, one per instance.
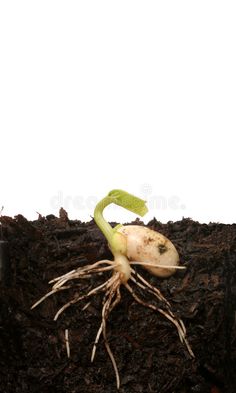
{"points": [[104, 226]]}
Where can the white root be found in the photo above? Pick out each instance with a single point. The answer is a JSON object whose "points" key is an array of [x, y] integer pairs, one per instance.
{"points": [[47, 295], [149, 264], [67, 343], [81, 272], [77, 299]]}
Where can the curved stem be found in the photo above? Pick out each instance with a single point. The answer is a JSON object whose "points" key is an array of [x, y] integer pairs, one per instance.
{"points": [[103, 225]]}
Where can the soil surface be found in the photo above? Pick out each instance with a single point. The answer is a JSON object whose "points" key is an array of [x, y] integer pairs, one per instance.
{"points": [[146, 346]]}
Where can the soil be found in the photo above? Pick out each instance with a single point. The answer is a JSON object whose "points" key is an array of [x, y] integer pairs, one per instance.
{"points": [[149, 354]]}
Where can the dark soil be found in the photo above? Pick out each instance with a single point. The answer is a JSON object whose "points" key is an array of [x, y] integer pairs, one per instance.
{"points": [[146, 346]]}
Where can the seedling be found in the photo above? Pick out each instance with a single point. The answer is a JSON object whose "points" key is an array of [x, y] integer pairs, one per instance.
{"points": [[130, 245]]}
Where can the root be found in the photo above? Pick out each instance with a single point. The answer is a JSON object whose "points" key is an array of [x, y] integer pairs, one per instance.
{"points": [[77, 299], [156, 265], [112, 288], [67, 343], [81, 272], [112, 297], [148, 287], [167, 313], [108, 306]]}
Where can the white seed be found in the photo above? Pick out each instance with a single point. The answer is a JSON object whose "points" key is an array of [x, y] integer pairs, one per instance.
{"points": [[148, 246]]}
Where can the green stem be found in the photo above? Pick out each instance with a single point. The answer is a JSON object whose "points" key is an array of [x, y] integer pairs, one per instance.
{"points": [[104, 226]]}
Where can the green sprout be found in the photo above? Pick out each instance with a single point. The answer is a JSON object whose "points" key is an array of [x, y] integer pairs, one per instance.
{"points": [[123, 199], [130, 245]]}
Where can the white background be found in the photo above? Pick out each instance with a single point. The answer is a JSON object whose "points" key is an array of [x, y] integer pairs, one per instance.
{"points": [[138, 95]]}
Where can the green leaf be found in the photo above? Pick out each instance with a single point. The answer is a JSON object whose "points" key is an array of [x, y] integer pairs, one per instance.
{"points": [[129, 202]]}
